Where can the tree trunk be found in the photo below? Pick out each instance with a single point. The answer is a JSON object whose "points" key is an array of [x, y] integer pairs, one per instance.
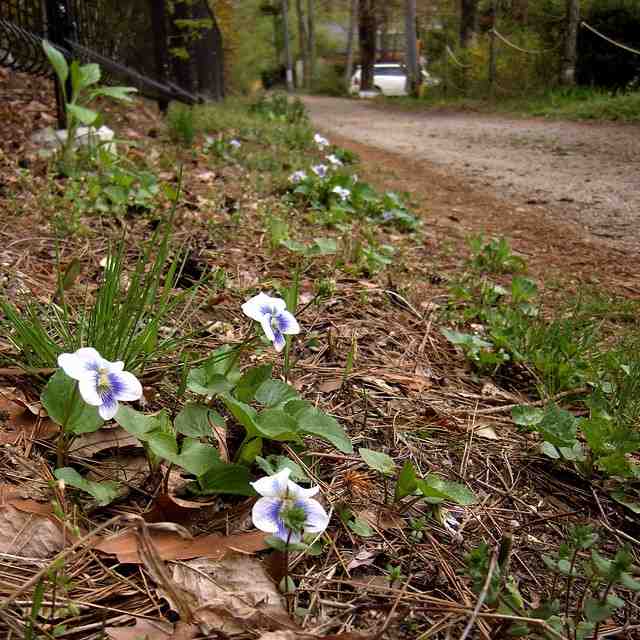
{"points": [[521, 11], [303, 44], [382, 33], [368, 32], [468, 22], [351, 38], [182, 64], [571, 43], [287, 45], [311, 27], [413, 67]]}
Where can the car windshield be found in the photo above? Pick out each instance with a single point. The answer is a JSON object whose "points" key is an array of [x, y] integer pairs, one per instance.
{"points": [[389, 71]]}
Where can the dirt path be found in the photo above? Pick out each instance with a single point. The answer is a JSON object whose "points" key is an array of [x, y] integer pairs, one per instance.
{"points": [[583, 174]]}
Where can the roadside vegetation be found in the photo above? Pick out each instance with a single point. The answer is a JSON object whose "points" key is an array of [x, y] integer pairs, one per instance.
{"points": [[563, 104], [513, 62], [221, 316]]}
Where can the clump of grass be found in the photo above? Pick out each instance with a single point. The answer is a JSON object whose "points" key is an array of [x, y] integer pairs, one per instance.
{"points": [[181, 124], [129, 319], [576, 104], [588, 104]]}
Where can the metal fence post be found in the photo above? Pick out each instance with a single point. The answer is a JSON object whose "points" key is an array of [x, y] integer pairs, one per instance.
{"points": [[161, 45], [59, 28]]}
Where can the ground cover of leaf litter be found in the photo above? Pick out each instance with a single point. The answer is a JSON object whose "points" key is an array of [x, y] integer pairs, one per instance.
{"points": [[409, 394]]}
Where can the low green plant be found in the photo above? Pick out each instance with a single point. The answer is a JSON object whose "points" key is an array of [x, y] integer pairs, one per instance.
{"points": [[557, 352], [266, 409], [596, 444], [181, 124], [78, 106], [494, 256], [373, 257], [56, 611], [278, 107], [113, 186], [278, 230], [576, 611], [319, 247], [431, 489], [128, 319], [479, 351], [362, 201]]}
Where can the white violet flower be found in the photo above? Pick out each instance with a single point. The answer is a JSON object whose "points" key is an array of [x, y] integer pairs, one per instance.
{"points": [[320, 141], [298, 176], [342, 193], [334, 160], [273, 316], [282, 497], [235, 143], [320, 170], [101, 383]]}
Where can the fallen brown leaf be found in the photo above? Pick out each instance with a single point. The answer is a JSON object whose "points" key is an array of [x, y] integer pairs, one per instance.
{"points": [[364, 558], [19, 419], [331, 385], [486, 431], [295, 635], [233, 595], [89, 444], [28, 533], [382, 518], [153, 630], [170, 508], [170, 545], [17, 496]]}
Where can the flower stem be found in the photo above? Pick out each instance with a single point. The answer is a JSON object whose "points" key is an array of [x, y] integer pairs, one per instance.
{"points": [[286, 570], [603, 601], [568, 594], [61, 450], [63, 439]]}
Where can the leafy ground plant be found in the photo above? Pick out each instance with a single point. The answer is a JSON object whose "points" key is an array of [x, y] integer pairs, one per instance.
{"points": [[576, 611], [84, 91]]}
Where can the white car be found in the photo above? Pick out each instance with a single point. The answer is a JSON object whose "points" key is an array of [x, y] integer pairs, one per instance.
{"points": [[389, 79]]}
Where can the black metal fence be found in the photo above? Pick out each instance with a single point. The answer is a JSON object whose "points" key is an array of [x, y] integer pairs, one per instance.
{"points": [[143, 43]]}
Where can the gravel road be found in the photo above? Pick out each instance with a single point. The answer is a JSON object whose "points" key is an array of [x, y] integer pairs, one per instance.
{"points": [[586, 173]]}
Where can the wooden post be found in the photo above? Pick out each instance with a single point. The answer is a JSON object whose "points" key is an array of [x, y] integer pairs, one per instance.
{"points": [[445, 84], [571, 43], [287, 45], [303, 45], [311, 28], [413, 68], [353, 25], [492, 51]]}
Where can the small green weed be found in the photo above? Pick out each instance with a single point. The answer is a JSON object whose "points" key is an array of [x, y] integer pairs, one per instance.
{"points": [[587, 588], [279, 107], [494, 256], [181, 124]]}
